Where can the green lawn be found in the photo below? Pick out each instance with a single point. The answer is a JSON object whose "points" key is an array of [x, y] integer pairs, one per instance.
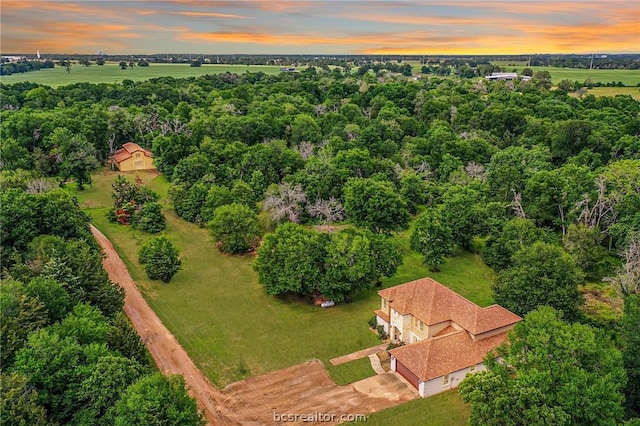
{"points": [[445, 409], [350, 372], [111, 73], [231, 329]]}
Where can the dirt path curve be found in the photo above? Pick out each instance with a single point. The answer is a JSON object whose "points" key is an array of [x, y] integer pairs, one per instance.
{"points": [[170, 357]]}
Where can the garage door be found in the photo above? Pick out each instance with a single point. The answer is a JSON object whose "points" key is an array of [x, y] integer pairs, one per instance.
{"points": [[407, 374]]}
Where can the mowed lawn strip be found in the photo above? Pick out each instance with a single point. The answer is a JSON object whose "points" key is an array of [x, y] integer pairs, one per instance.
{"points": [[445, 409], [351, 371], [219, 312]]}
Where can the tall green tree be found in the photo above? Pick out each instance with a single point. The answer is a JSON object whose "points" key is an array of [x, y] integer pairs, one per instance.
{"points": [[550, 373], [158, 400], [101, 390], [541, 274], [349, 265], [290, 260], [20, 314], [375, 205], [516, 234], [18, 402], [56, 366], [234, 227], [432, 238], [631, 352], [160, 258]]}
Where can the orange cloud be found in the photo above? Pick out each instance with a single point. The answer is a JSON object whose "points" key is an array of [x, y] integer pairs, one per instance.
{"points": [[277, 39], [64, 38], [210, 15]]}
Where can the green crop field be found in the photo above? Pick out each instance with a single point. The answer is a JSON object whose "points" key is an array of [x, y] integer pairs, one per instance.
{"points": [[111, 73], [634, 92], [220, 314], [627, 77]]}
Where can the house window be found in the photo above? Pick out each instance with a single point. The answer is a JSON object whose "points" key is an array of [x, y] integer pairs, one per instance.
{"points": [[419, 324], [445, 381], [384, 304]]}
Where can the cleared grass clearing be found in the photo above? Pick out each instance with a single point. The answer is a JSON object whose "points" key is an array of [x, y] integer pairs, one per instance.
{"points": [[634, 92], [627, 77], [445, 409], [220, 314], [111, 73]]}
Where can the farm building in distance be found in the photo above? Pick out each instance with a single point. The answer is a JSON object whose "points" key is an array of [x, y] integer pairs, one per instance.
{"points": [[133, 157], [507, 76], [445, 335]]}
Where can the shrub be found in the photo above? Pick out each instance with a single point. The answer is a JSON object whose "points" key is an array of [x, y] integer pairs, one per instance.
{"points": [[381, 333], [373, 322], [149, 218], [160, 259]]}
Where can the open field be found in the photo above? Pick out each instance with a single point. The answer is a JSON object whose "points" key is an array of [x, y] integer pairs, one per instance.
{"points": [[231, 329], [634, 92], [627, 77], [111, 73]]}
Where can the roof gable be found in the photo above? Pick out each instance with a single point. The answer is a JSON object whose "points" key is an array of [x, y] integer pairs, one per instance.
{"points": [[127, 151], [432, 303], [442, 355]]}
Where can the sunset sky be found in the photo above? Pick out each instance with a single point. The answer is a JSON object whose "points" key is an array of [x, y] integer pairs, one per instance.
{"points": [[320, 27]]}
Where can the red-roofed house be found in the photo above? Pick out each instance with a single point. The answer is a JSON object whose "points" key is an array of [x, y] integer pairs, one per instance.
{"points": [[133, 157], [446, 335]]}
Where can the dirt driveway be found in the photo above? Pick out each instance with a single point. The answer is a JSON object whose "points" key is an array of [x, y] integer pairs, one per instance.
{"points": [[301, 389], [308, 389]]}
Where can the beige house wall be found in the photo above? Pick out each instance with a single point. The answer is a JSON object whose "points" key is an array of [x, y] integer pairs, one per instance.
{"points": [[138, 161]]}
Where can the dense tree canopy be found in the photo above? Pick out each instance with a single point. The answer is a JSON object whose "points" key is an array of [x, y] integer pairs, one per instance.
{"points": [[551, 372], [541, 274], [68, 352]]}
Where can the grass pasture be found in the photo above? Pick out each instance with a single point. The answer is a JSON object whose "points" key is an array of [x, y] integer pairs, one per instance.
{"points": [[634, 92], [220, 314], [627, 77], [444, 409], [111, 73]]}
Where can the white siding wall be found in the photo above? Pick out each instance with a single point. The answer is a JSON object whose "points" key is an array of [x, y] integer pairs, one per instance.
{"points": [[437, 385], [383, 323]]}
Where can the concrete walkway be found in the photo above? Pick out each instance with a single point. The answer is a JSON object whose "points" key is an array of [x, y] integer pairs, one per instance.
{"points": [[375, 364], [357, 355]]}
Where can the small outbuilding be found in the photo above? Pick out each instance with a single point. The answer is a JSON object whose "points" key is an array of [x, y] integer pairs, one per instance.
{"points": [[133, 157]]}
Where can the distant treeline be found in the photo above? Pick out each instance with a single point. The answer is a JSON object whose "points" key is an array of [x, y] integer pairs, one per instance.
{"points": [[620, 61], [20, 67]]}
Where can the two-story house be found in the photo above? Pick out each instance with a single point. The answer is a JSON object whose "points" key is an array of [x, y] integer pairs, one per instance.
{"points": [[446, 335]]}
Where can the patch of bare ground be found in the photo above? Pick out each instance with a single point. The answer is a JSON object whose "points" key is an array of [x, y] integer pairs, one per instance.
{"points": [[308, 389]]}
